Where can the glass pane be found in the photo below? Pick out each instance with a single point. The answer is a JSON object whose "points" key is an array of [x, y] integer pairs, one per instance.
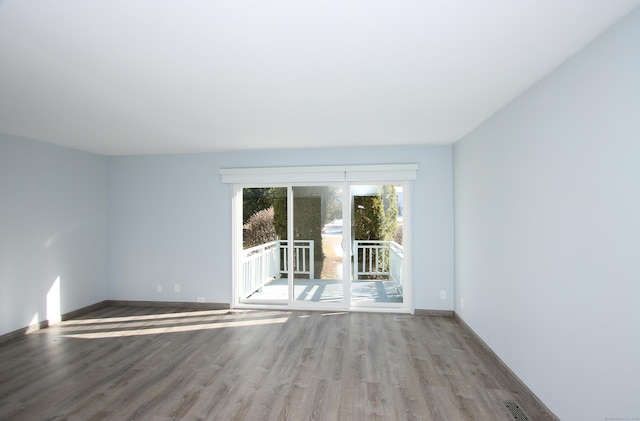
{"points": [[376, 233], [264, 217], [317, 227]]}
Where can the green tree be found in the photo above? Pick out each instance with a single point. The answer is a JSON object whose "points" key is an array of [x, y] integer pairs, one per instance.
{"points": [[376, 217], [367, 217], [389, 220], [255, 200], [280, 216], [307, 221]]}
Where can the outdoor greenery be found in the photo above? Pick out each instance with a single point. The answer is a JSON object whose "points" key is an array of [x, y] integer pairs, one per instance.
{"points": [[367, 218], [313, 208], [265, 215], [307, 223], [259, 229], [376, 217], [259, 198], [390, 212]]}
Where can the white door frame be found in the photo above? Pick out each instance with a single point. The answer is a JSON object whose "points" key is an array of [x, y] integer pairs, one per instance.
{"points": [[318, 176]]}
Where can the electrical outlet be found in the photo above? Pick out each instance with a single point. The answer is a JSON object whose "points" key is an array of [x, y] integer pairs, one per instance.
{"points": [[200, 299], [176, 288], [159, 288], [443, 295]]}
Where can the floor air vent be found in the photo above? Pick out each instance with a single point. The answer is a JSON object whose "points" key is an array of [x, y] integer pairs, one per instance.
{"points": [[516, 412], [405, 319]]}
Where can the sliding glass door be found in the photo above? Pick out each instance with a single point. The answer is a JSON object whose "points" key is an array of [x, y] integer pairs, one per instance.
{"points": [[324, 246], [318, 274], [377, 226], [262, 262]]}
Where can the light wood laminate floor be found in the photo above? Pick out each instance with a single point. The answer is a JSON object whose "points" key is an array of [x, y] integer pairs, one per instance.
{"points": [[168, 363]]}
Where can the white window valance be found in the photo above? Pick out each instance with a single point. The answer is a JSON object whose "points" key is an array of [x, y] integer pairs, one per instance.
{"points": [[379, 172]]}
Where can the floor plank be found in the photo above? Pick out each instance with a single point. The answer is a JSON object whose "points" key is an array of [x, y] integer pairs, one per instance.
{"points": [[169, 363]]}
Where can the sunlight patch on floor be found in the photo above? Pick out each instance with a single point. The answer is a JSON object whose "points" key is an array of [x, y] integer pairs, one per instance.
{"points": [[175, 329], [220, 313]]}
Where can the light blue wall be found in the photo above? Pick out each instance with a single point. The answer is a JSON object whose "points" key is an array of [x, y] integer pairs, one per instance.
{"points": [[53, 223], [116, 227], [547, 214], [170, 220]]}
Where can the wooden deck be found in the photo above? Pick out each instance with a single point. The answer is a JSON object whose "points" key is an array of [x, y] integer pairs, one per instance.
{"points": [[158, 363], [322, 290]]}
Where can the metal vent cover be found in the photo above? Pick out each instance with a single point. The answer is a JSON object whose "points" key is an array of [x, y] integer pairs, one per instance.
{"points": [[515, 411], [405, 319]]}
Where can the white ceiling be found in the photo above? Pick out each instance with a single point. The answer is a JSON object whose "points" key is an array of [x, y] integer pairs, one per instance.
{"points": [[162, 76]]}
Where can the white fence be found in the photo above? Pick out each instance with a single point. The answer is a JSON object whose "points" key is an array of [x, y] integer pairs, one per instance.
{"points": [[378, 259], [303, 258], [260, 264], [263, 263]]}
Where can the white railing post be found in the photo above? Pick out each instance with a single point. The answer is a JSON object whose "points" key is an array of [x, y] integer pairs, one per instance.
{"points": [[312, 258], [396, 257]]}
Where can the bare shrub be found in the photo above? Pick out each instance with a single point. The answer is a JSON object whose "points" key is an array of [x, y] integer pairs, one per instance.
{"points": [[259, 229]]}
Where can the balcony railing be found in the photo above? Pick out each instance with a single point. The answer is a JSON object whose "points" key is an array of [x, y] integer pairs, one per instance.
{"points": [[372, 260], [303, 259], [378, 260], [263, 263], [260, 264]]}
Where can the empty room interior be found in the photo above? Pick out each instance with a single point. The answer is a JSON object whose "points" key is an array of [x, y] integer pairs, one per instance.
{"points": [[320, 210]]}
